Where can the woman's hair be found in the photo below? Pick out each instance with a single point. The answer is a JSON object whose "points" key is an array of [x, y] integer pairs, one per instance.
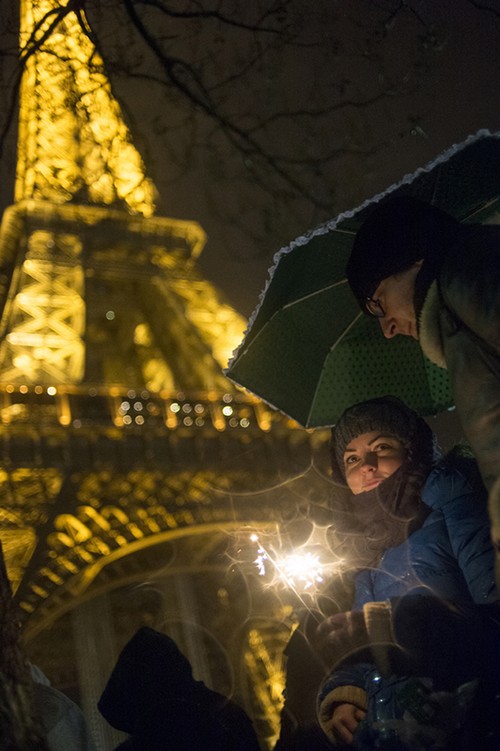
{"points": [[391, 416]]}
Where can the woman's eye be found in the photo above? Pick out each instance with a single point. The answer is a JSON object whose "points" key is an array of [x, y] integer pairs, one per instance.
{"points": [[382, 447], [350, 459]]}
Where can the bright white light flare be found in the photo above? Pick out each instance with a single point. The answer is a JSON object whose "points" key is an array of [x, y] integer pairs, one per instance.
{"points": [[301, 571]]}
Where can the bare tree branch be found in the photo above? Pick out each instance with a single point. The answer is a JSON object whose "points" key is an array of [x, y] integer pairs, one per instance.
{"points": [[487, 8], [204, 14], [183, 76]]}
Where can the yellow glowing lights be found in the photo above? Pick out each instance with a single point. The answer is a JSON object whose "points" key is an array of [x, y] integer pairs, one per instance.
{"points": [[47, 313], [219, 324], [127, 409], [73, 139]]}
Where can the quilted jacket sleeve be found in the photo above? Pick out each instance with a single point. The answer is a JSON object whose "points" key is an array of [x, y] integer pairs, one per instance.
{"points": [[465, 513], [345, 685]]}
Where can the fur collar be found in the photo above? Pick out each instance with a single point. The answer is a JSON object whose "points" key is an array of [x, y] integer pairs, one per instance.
{"points": [[430, 338]]}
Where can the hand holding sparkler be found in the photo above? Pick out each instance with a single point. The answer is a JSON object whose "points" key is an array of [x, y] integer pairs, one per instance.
{"points": [[340, 636]]}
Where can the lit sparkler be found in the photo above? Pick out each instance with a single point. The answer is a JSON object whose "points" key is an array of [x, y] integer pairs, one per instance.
{"points": [[301, 571]]}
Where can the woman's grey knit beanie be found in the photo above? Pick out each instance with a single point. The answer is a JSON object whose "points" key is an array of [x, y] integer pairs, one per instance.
{"points": [[386, 414]]}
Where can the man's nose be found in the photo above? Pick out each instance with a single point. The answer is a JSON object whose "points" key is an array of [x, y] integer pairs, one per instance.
{"points": [[389, 327]]}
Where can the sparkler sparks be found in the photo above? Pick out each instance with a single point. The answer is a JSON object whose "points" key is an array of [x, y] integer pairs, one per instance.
{"points": [[302, 568], [301, 571]]}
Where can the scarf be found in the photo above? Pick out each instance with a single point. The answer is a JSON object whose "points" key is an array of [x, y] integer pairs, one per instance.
{"points": [[382, 518]]}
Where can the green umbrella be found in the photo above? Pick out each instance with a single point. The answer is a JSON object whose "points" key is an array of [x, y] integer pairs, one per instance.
{"points": [[309, 351]]}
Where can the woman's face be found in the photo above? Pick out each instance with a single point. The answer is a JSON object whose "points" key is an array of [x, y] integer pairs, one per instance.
{"points": [[371, 458]]}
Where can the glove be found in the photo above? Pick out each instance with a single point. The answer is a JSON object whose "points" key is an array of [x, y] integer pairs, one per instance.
{"points": [[342, 637]]}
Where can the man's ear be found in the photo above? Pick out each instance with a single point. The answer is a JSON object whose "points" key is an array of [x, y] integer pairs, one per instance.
{"points": [[408, 271]]}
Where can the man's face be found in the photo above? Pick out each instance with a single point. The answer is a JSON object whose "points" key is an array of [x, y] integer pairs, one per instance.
{"points": [[395, 295]]}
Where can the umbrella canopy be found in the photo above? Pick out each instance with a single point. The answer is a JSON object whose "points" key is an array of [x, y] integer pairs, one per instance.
{"points": [[309, 351]]}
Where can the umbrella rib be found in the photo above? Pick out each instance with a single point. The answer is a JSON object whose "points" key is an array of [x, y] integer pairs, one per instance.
{"points": [[343, 231], [332, 348], [346, 331], [487, 205], [313, 294]]}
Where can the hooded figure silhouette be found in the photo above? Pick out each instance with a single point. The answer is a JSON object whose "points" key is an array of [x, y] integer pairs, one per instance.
{"points": [[152, 695]]}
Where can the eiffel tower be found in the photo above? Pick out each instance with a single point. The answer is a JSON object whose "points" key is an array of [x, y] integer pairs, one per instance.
{"points": [[128, 460]]}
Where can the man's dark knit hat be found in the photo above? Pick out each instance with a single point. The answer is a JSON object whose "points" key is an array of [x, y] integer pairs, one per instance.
{"points": [[398, 232], [386, 414]]}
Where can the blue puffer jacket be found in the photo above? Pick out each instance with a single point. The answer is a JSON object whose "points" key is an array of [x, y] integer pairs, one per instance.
{"points": [[450, 556]]}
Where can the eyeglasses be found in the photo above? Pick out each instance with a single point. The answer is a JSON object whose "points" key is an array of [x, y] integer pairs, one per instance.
{"points": [[374, 307]]}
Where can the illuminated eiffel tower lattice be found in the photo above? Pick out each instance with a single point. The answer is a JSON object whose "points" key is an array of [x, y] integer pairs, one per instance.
{"points": [[120, 437]]}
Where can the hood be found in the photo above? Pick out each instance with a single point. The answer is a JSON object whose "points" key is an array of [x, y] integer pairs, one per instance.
{"points": [[150, 670]]}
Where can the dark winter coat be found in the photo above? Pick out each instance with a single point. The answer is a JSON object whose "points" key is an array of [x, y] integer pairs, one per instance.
{"points": [[450, 557], [152, 695], [460, 330]]}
